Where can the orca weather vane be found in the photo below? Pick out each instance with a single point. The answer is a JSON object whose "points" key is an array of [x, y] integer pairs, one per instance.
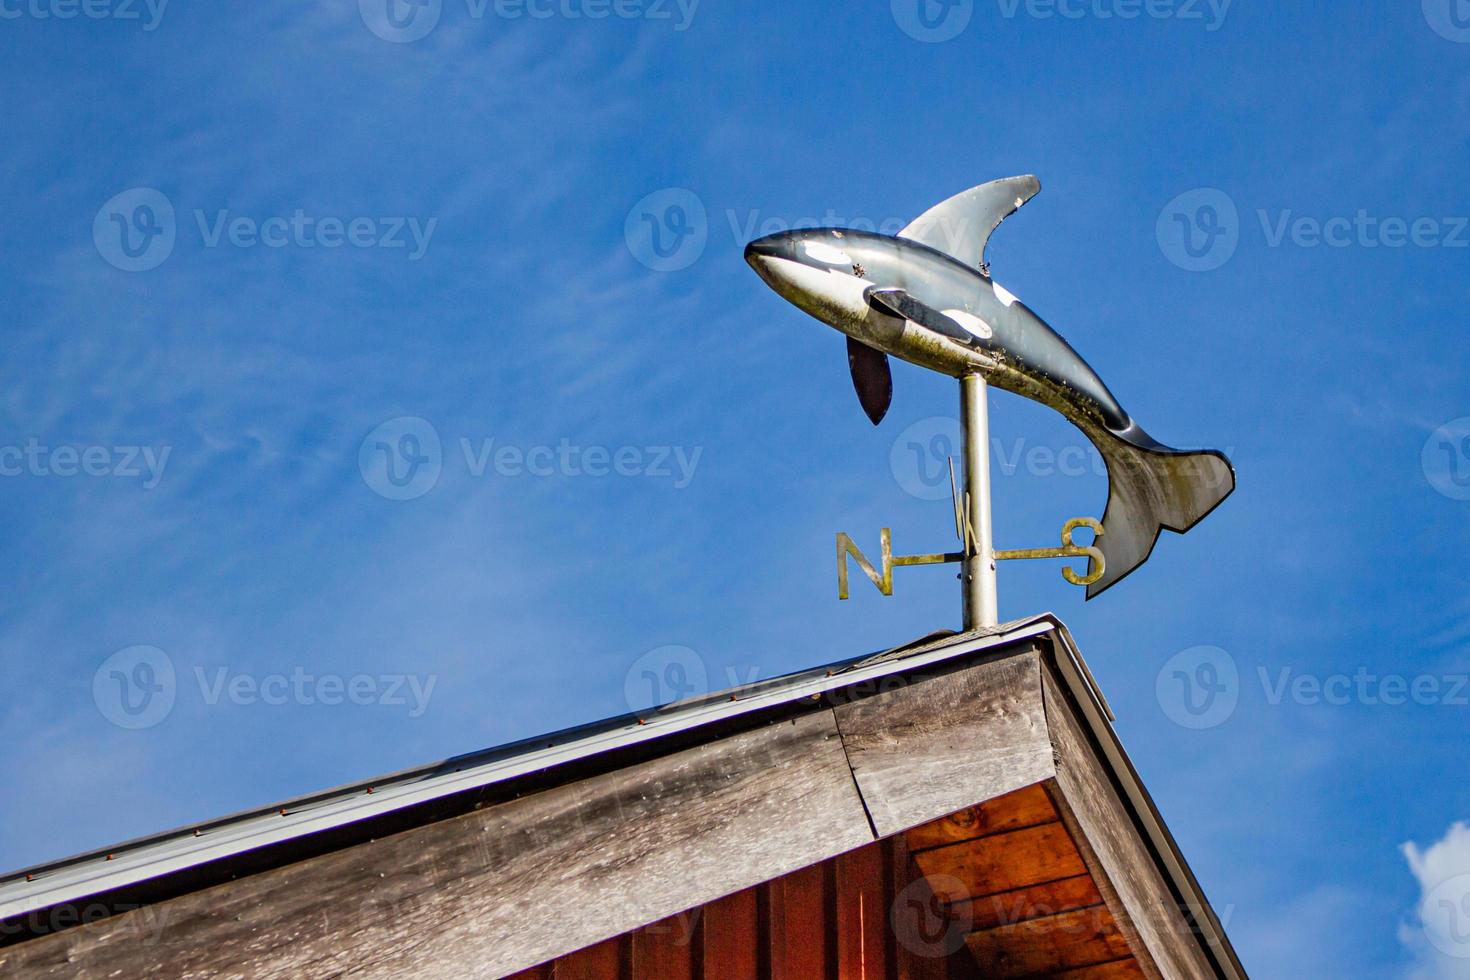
{"points": [[926, 296]]}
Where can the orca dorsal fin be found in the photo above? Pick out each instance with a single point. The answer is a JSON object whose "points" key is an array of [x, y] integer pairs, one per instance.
{"points": [[961, 226]]}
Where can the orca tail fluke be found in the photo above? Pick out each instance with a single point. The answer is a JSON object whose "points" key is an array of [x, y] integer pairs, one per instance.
{"points": [[1150, 489]]}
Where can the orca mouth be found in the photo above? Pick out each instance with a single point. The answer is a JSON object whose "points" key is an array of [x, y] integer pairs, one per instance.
{"points": [[767, 256], [776, 246]]}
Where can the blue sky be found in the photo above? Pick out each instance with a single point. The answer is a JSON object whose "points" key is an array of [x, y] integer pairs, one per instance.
{"points": [[255, 253]]}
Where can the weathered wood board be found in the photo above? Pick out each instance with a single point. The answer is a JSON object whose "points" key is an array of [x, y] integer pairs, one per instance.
{"points": [[1002, 862], [1044, 947], [1032, 902], [489, 893], [1126, 873], [843, 919], [1024, 808], [938, 744]]}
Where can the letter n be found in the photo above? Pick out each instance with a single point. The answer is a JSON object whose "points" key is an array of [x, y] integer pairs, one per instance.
{"points": [[846, 547]]}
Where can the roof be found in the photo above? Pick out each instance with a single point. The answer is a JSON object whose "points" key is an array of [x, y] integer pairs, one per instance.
{"points": [[187, 858]]}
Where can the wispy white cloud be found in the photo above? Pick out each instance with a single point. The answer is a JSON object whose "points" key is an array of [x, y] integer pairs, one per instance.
{"points": [[1438, 932]]}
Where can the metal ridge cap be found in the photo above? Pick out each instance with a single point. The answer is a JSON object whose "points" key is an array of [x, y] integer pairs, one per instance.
{"points": [[1074, 654]]}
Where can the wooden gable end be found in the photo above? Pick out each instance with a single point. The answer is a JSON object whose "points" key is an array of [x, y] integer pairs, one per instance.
{"points": [[996, 890], [833, 919], [976, 788]]}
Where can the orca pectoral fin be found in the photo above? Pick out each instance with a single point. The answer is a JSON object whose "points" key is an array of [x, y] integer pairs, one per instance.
{"points": [[890, 301], [898, 303], [872, 378]]}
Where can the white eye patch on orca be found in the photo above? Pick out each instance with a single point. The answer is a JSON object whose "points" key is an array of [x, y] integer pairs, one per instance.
{"points": [[972, 323], [828, 254]]}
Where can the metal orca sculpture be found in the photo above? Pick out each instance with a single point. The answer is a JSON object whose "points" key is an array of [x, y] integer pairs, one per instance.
{"points": [[918, 297]]}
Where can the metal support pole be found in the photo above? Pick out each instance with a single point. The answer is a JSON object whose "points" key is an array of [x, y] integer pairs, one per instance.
{"points": [[981, 605]]}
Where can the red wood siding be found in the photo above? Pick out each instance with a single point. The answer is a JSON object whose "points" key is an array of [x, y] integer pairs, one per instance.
{"points": [[844, 919]]}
